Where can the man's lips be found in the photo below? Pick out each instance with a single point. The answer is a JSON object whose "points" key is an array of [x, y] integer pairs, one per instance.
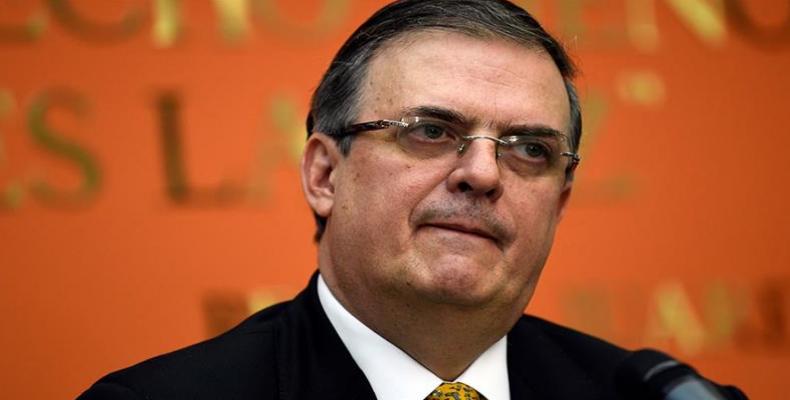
{"points": [[464, 219], [467, 229]]}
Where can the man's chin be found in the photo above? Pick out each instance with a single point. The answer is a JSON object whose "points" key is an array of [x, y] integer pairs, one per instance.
{"points": [[461, 300], [460, 284]]}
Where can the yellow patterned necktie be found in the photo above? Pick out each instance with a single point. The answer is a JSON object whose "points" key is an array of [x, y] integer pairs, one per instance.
{"points": [[454, 391]]}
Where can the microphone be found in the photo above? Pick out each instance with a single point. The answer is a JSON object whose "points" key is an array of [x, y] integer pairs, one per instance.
{"points": [[650, 374]]}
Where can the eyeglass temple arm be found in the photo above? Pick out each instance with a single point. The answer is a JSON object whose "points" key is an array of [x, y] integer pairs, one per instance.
{"points": [[574, 156], [373, 126], [575, 159]]}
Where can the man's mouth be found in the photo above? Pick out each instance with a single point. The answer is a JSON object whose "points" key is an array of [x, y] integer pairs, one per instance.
{"points": [[464, 228], [465, 220]]}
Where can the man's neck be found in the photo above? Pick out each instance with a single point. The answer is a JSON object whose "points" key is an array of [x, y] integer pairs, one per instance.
{"points": [[444, 338]]}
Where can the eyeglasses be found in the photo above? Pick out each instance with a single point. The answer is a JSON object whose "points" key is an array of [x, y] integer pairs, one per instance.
{"points": [[538, 152]]}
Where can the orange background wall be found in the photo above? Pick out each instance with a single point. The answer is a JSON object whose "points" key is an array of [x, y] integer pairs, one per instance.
{"points": [[149, 194]]}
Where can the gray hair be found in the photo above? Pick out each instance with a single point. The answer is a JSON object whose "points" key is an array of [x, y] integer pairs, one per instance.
{"points": [[335, 102]]}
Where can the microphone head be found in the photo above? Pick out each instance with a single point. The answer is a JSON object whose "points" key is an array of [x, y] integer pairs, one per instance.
{"points": [[651, 374]]}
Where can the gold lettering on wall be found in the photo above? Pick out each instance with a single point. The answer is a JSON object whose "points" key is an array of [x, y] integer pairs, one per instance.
{"points": [[762, 36], [223, 310], [233, 19], [284, 149], [595, 108], [177, 185], [69, 17], [574, 22], [747, 317], [705, 18], [12, 193], [644, 88], [629, 22], [167, 25], [6, 106], [329, 16], [772, 302], [168, 106], [675, 320], [57, 144], [29, 30], [589, 310], [641, 24], [617, 186], [570, 12], [289, 123], [722, 313], [260, 299]]}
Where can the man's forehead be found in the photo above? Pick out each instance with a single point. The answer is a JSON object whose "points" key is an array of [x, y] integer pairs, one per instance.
{"points": [[492, 81], [402, 55]]}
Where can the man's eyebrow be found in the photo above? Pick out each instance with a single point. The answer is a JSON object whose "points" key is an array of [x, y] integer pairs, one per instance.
{"points": [[455, 117], [442, 113], [531, 130]]}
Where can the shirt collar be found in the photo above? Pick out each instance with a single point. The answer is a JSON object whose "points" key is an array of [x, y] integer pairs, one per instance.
{"points": [[394, 375]]}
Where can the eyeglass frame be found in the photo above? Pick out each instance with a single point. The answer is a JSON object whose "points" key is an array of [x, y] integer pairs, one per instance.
{"points": [[388, 123]]}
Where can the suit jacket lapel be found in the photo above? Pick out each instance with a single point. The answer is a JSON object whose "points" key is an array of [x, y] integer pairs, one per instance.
{"points": [[312, 361], [540, 369]]}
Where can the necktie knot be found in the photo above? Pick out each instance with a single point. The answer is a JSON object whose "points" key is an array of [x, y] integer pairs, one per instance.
{"points": [[454, 391]]}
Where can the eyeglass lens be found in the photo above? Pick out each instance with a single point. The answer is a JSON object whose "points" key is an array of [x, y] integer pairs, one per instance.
{"points": [[531, 154]]}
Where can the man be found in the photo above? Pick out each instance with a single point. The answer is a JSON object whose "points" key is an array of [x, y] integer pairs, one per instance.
{"points": [[442, 145]]}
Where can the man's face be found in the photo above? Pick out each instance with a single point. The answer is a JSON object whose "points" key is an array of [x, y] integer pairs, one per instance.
{"points": [[466, 233]]}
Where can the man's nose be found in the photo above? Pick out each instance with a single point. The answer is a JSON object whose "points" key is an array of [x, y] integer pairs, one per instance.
{"points": [[476, 170]]}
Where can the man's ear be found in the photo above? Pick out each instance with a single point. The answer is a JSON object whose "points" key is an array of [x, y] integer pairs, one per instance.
{"points": [[320, 157], [564, 197]]}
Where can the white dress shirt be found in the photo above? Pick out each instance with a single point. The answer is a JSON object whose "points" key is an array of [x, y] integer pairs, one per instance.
{"points": [[394, 375]]}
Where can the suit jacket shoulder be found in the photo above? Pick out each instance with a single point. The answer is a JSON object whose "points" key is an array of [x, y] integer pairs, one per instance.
{"points": [[225, 363], [549, 361], [287, 351]]}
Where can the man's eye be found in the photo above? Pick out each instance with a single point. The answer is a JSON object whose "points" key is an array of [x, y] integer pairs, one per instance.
{"points": [[432, 132], [534, 150]]}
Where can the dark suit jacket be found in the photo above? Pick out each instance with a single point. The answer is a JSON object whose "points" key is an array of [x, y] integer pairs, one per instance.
{"points": [[291, 351]]}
